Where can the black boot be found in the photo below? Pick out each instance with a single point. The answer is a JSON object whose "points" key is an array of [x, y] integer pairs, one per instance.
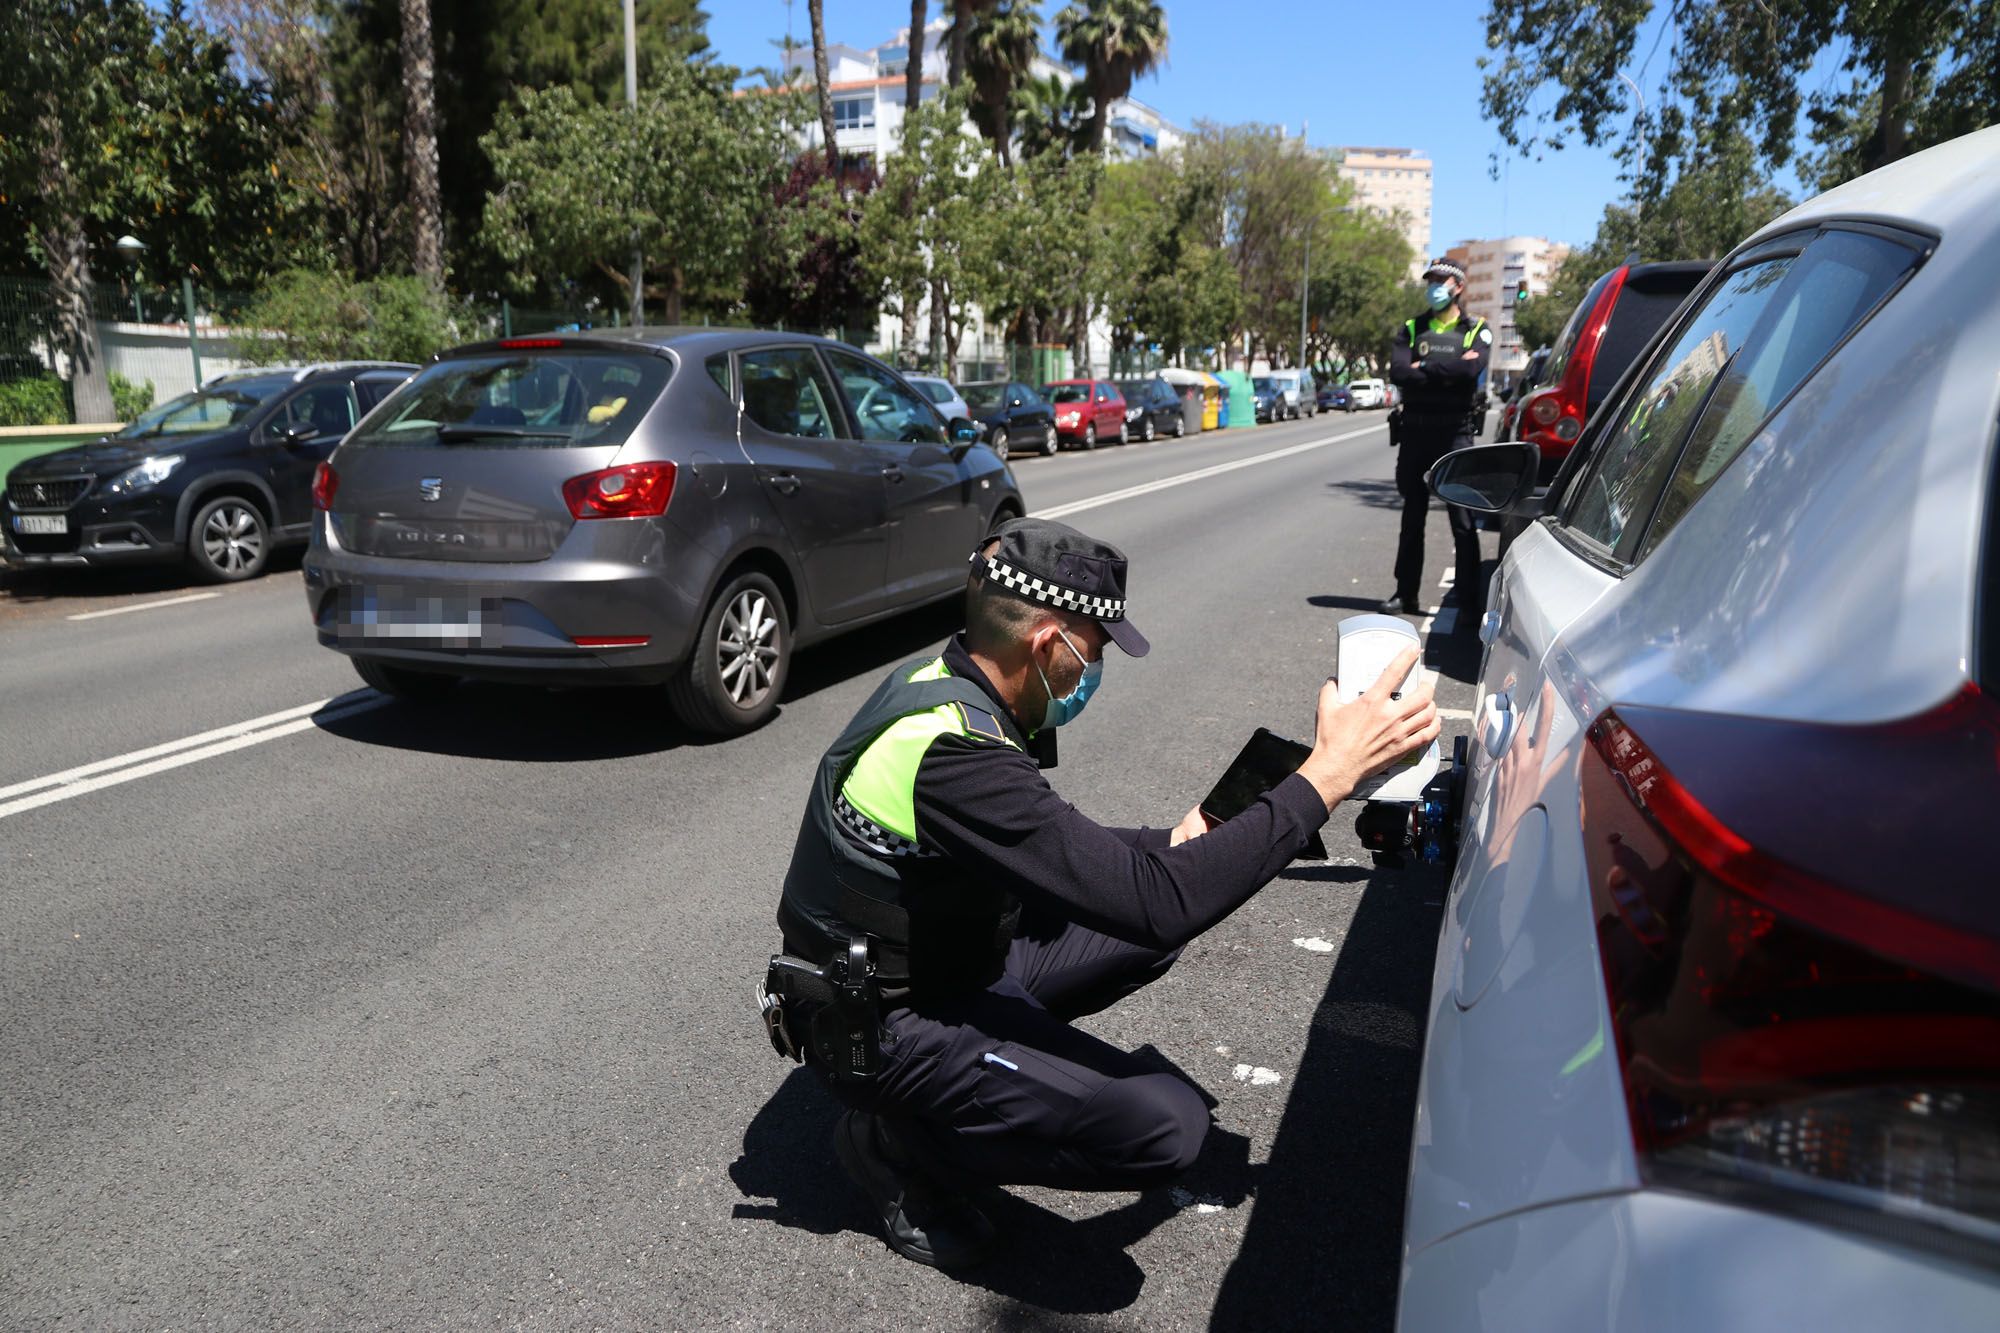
{"points": [[1401, 604], [922, 1220]]}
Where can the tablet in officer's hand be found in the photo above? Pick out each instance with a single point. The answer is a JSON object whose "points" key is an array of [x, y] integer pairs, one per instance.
{"points": [[1265, 760]]}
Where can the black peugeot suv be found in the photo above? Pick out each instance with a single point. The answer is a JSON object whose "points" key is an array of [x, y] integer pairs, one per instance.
{"points": [[217, 477]]}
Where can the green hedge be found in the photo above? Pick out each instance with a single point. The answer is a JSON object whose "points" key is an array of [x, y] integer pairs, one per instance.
{"points": [[44, 400]]}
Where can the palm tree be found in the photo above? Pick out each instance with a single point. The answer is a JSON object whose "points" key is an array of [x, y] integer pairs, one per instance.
{"points": [[1116, 42], [1052, 114], [817, 9], [420, 147], [998, 52], [913, 75], [963, 13]]}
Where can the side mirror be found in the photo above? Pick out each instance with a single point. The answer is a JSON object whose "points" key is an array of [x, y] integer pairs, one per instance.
{"points": [[1489, 478], [964, 431]]}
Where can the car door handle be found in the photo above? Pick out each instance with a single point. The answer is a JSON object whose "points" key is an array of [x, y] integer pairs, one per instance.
{"points": [[1496, 724], [785, 483], [892, 473]]}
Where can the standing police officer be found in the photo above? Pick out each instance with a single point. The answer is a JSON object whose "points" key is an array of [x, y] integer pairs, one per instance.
{"points": [[947, 915], [1437, 359]]}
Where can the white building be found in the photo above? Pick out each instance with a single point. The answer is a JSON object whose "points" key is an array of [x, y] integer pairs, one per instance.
{"points": [[1395, 182], [1494, 272]]}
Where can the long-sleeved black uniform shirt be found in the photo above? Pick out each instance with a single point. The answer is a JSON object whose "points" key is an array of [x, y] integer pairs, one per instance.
{"points": [[1436, 376], [988, 808]]}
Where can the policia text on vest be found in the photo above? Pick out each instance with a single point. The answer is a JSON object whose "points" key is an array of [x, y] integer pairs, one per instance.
{"points": [[947, 916]]}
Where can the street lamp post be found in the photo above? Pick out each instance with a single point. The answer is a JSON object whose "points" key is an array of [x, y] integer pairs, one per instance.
{"points": [[130, 248]]}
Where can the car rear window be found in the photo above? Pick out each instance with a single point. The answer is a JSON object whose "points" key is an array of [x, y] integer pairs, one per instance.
{"points": [[980, 397], [1642, 307], [936, 390], [1070, 393], [573, 398]]}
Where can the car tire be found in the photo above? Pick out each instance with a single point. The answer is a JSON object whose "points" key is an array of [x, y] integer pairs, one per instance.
{"points": [[228, 541], [1149, 432], [1090, 436], [1050, 442], [417, 687], [1000, 442], [742, 653], [1180, 427]]}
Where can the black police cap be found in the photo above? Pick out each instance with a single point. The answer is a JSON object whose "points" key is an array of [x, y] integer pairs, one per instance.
{"points": [[1059, 567]]}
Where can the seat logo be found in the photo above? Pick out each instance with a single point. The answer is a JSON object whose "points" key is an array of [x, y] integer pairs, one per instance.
{"points": [[431, 488]]}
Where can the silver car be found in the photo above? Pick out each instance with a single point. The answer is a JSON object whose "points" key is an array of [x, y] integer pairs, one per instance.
{"points": [[683, 506], [1714, 1032], [941, 392]]}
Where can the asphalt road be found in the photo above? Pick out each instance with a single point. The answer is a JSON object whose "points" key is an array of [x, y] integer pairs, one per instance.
{"points": [[371, 1017]]}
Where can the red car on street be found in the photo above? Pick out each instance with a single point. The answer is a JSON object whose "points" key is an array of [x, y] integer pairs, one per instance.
{"points": [[1087, 411]]}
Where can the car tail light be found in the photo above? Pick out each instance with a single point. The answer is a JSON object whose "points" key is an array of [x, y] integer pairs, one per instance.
{"points": [[326, 483], [530, 344], [1800, 937], [1559, 410], [636, 490]]}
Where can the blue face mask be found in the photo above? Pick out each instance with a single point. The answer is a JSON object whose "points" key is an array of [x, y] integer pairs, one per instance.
{"points": [[1439, 296], [1065, 709]]}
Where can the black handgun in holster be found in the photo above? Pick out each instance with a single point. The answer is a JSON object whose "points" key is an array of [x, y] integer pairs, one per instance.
{"points": [[835, 1008]]}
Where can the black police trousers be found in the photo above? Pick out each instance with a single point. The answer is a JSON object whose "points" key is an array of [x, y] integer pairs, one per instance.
{"points": [[995, 1087], [1418, 453]]}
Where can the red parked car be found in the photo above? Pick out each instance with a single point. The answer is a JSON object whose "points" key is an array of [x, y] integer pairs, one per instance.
{"points": [[1605, 334], [1087, 411]]}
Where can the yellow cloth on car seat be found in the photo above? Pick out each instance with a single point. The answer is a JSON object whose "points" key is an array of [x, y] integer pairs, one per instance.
{"points": [[604, 411]]}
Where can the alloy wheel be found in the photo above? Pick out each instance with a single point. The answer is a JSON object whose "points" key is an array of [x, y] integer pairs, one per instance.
{"points": [[233, 539], [746, 648]]}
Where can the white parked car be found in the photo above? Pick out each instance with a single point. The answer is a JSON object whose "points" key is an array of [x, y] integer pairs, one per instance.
{"points": [[1367, 393], [942, 392], [1714, 1032]]}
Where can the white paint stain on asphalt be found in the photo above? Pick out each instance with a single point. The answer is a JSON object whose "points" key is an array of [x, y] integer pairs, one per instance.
{"points": [[1314, 945], [1256, 1075], [1201, 1203]]}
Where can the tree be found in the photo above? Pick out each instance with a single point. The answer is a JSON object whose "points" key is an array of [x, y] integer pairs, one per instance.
{"points": [[687, 172], [923, 229], [963, 14], [1037, 251], [816, 8], [325, 317], [913, 69], [1917, 72], [1053, 115], [120, 117], [1000, 50], [420, 155], [805, 269], [1115, 42], [1168, 285]]}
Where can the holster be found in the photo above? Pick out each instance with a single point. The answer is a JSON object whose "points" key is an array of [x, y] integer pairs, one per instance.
{"points": [[835, 1007]]}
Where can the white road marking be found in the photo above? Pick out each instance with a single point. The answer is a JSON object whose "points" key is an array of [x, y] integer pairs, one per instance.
{"points": [[176, 754], [1315, 944], [143, 606], [1256, 1075], [1199, 474], [1450, 577], [1455, 714]]}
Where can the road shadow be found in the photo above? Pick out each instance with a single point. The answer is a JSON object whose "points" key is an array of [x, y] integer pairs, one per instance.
{"points": [[522, 724], [1374, 492], [872, 651], [1048, 1264], [1325, 1234], [29, 587]]}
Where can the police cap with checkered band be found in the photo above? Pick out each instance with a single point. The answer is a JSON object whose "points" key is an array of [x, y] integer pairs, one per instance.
{"points": [[1059, 567]]}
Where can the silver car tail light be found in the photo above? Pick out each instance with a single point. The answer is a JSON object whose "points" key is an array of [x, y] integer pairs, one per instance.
{"points": [[1799, 929]]}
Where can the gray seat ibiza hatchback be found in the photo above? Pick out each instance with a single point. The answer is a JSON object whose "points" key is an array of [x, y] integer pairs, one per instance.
{"points": [[656, 505]]}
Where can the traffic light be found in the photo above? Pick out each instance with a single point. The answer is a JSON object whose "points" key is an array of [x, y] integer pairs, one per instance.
{"points": [[1521, 293]]}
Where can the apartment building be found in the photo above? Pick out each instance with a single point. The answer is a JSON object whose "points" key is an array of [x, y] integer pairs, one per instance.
{"points": [[1395, 182], [1494, 271]]}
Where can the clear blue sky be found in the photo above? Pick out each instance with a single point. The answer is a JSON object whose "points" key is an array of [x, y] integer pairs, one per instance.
{"points": [[1388, 74]]}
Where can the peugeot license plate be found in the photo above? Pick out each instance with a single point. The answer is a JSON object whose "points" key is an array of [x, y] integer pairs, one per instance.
{"points": [[48, 524]]}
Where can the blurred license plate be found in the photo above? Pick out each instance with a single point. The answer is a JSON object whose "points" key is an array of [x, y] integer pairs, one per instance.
{"points": [[53, 524], [453, 619]]}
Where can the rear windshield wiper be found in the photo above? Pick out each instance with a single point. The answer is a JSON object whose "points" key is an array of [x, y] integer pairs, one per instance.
{"points": [[469, 430]]}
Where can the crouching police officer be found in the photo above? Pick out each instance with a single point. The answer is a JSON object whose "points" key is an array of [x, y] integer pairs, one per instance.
{"points": [[1437, 359], [947, 915]]}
